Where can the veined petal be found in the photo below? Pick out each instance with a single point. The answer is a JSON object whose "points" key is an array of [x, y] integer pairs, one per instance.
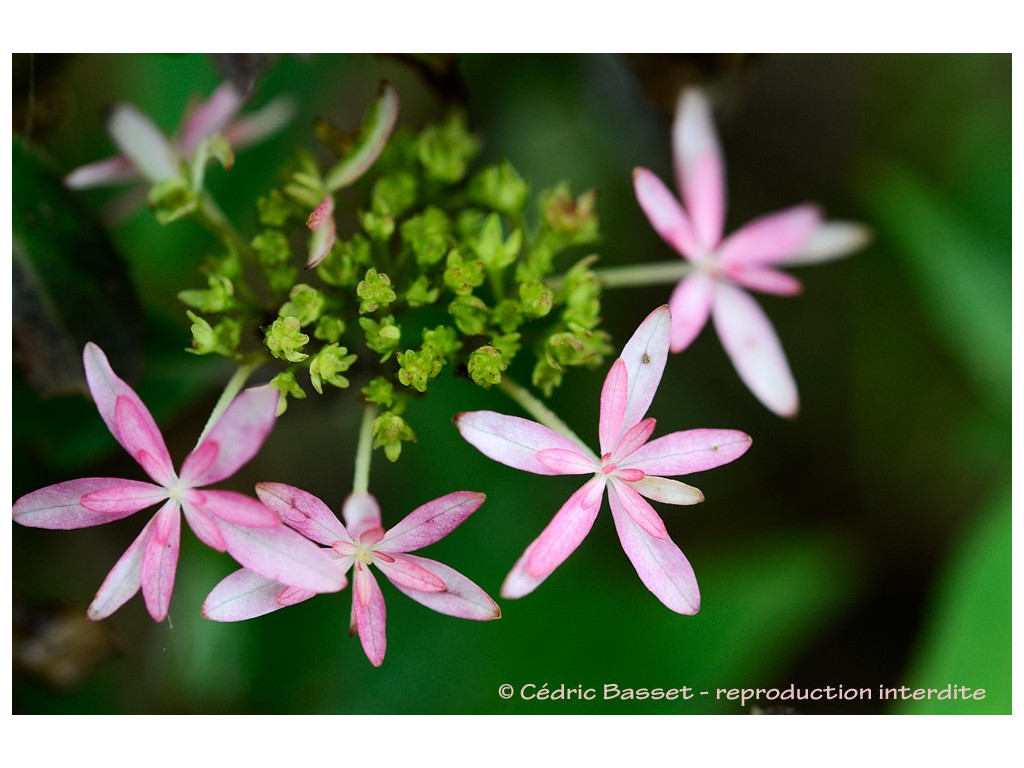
{"points": [[113, 170], [60, 506], [690, 304], [567, 529], [160, 560], [636, 507], [766, 280], [361, 513], [668, 491], [632, 440], [401, 570], [212, 116], [142, 143], [237, 436], [692, 450], [431, 522], [369, 614], [771, 238], [511, 440], [243, 595], [699, 166], [614, 397], [294, 595], [831, 240], [665, 213], [204, 526], [283, 555], [461, 597], [563, 462], [645, 355], [754, 348], [139, 431], [236, 508], [303, 512], [124, 578], [659, 563]]}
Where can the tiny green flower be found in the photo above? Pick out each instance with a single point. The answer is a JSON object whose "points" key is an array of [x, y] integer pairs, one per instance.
{"points": [[305, 303], [329, 328], [500, 188], [288, 386], [374, 291], [383, 337], [486, 365], [380, 391], [285, 339], [419, 366], [327, 365], [389, 432], [470, 314], [463, 275]]}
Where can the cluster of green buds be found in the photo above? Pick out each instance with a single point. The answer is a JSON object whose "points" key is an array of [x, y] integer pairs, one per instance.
{"points": [[416, 263]]}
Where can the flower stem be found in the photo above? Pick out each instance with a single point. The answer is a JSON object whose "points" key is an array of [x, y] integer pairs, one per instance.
{"points": [[541, 412], [659, 273], [211, 217], [231, 390], [364, 451]]}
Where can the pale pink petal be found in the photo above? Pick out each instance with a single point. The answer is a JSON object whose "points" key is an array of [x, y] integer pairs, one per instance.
{"points": [[237, 436], [692, 450], [563, 462], [665, 214], [212, 116], [401, 570], [614, 397], [668, 491], [361, 513], [645, 355], [294, 595], [235, 508], [113, 170], [699, 166], [142, 143], [283, 555], [243, 595], [60, 506], [321, 222], [160, 560], [632, 440], [140, 431], [304, 512], [771, 238], [519, 582], [636, 507], [751, 343], [124, 578], [690, 304], [832, 240], [254, 127], [431, 522], [766, 280], [369, 614], [567, 529], [659, 563], [204, 526], [511, 440], [461, 597]]}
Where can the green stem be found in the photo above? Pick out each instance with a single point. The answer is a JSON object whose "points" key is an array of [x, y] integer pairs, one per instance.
{"points": [[659, 273], [364, 451], [211, 217], [231, 390], [526, 400]]}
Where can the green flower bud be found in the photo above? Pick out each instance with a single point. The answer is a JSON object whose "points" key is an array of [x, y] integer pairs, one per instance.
{"points": [[394, 194], [379, 226], [582, 295], [274, 209], [486, 365], [573, 218], [508, 344], [286, 383], [346, 263], [327, 365], [379, 391], [285, 339], [429, 236], [221, 339], [461, 275], [446, 149], [374, 292], [272, 248], [500, 188], [219, 297], [470, 314], [389, 431], [329, 328], [421, 293], [535, 299], [419, 366], [383, 337], [443, 339], [305, 303], [172, 199], [506, 316], [495, 252]]}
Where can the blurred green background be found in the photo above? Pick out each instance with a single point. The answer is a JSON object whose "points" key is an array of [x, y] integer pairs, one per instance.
{"points": [[866, 543]]}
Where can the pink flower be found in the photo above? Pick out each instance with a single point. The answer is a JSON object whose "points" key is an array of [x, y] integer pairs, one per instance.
{"points": [[359, 543], [630, 468], [745, 259], [224, 520]]}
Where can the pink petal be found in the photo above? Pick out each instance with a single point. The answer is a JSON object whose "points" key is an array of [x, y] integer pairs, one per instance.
{"points": [[243, 595], [831, 240], [160, 560], [636, 507], [755, 351], [668, 491], [659, 563], [431, 522], [693, 450], [321, 222], [563, 462], [690, 304], [614, 396], [369, 614], [303, 512], [113, 170], [767, 280], [699, 166], [665, 213], [519, 582], [401, 570], [283, 555], [771, 238], [142, 143], [204, 526], [377, 126], [124, 578], [512, 441], [136, 431], [60, 506], [567, 529], [236, 437], [256, 126], [632, 440], [212, 116], [461, 597], [645, 355], [294, 595], [235, 508], [361, 513]]}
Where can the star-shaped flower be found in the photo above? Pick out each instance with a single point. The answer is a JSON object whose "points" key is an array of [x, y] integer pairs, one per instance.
{"points": [[630, 468], [224, 520], [723, 267], [359, 543]]}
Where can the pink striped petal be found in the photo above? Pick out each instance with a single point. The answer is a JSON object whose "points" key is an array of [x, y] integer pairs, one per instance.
{"points": [[242, 595], [511, 440], [693, 450], [690, 304], [236, 437], [294, 595], [567, 529], [142, 143], [137, 432], [361, 513], [113, 170], [771, 238], [752, 345], [235, 508], [212, 116], [832, 240], [614, 397], [636, 507], [461, 597], [665, 214], [303, 512], [563, 462], [369, 614], [60, 506], [645, 355], [431, 522], [401, 570], [659, 563], [204, 526], [632, 440], [160, 560], [519, 582], [668, 491], [766, 280], [699, 166], [124, 578], [283, 555]]}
